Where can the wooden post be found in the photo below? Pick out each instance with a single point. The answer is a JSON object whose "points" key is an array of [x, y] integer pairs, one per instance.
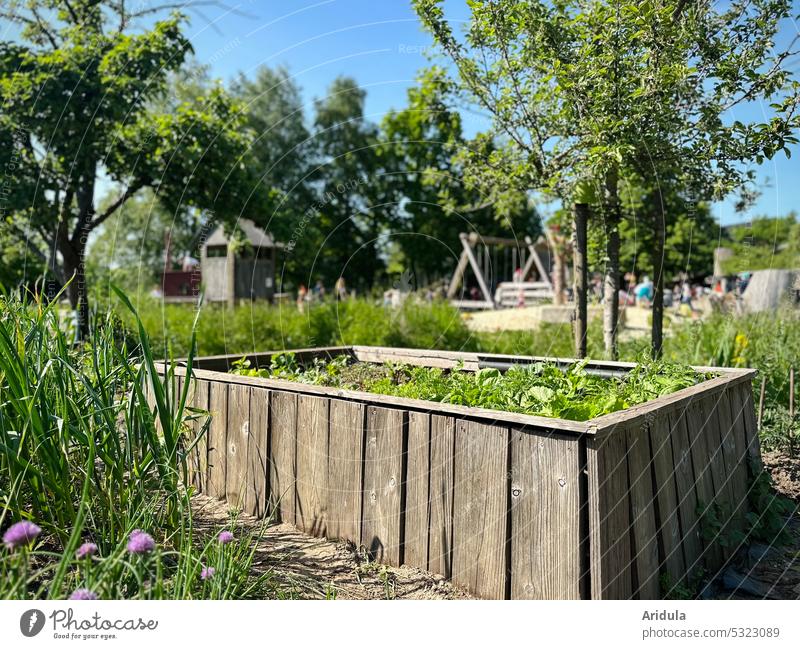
{"points": [[581, 278], [791, 412]]}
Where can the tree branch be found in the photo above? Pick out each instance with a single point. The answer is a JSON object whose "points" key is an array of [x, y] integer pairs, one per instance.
{"points": [[130, 191]]}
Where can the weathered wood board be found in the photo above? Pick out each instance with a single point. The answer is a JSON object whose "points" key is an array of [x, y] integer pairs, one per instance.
{"points": [[312, 465], [383, 471], [480, 508], [344, 469], [545, 516]]}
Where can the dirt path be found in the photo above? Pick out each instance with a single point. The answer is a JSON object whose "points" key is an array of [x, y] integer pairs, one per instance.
{"points": [[312, 568]]}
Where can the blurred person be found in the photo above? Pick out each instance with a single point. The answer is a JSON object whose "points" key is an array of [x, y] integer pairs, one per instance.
{"points": [[302, 296], [340, 290]]}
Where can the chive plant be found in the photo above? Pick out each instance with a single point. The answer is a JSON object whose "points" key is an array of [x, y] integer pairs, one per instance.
{"points": [[85, 459]]}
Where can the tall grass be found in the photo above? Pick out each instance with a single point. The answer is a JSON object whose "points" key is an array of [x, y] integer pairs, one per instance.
{"points": [[258, 326], [85, 457]]}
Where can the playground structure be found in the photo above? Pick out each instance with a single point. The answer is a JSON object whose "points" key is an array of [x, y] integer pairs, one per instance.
{"points": [[483, 256]]}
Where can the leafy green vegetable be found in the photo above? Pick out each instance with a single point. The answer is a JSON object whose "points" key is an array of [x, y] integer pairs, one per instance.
{"points": [[537, 389]]}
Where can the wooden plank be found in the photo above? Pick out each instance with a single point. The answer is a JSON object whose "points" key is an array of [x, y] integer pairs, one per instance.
{"points": [[643, 518], [727, 444], [480, 508], [282, 454], [750, 426], [257, 475], [741, 455], [720, 478], [383, 472], [609, 517], [668, 522], [344, 469], [200, 453], [698, 417], [713, 407], [311, 486], [416, 485], [440, 539], [687, 495], [724, 471], [218, 408], [238, 436], [545, 516]]}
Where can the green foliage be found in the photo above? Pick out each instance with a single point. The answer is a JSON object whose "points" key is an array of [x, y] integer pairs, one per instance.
{"points": [[538, 389], [691, 236], [426, 198], [764, 243], [616, 95], [767, 518], [128, 250], [85, 456]]}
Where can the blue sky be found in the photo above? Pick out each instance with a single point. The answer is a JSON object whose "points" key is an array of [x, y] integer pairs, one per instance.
{"points": [[381, 44]]}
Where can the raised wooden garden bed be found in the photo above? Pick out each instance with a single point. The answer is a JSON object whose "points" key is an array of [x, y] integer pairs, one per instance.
{"points": [[506, 505]]}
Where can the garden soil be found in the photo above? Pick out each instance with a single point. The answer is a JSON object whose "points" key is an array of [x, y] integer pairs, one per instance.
{"points": [[312, 568]]}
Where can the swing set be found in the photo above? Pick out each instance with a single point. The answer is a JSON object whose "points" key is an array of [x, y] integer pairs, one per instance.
{"points": [[485, 256]]}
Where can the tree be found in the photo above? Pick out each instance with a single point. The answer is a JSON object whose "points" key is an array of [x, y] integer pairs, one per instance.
{"points": [[341, 228], [82, 99], [423, 187], [623, 92], [691, 235], [282, 149], [765, 242]]}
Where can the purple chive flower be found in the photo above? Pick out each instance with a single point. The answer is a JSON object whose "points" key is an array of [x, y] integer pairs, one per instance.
{"points": [[225, 537], [86, 550], [207, 572], [21, 533], [140, 542], [83, 593]]}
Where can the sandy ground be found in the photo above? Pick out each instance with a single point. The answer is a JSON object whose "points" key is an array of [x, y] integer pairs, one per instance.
{"points": [[312, 568], [504, 320], [635, 321]]}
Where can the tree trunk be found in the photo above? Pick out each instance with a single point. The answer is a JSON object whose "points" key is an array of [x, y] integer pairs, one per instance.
{"points": [[559, 275], [559, 278], [75, 274], [659, 232], [612, 217], [581, 279]]}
